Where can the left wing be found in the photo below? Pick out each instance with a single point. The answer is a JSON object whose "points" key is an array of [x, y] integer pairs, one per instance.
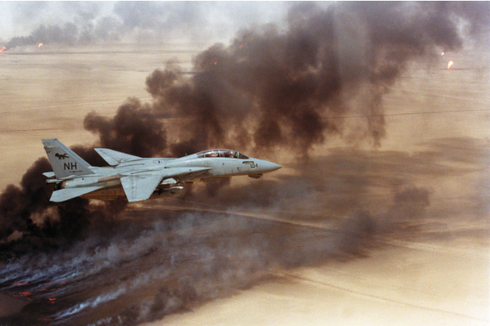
{"points": [[114, 157], [139, 186]]}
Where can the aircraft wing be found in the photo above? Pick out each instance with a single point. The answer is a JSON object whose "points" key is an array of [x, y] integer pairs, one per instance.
{"points": [[114, 157], [140, 186], [69, 193]]}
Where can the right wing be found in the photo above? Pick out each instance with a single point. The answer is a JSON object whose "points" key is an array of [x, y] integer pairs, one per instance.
{"points": [[140, 186]]}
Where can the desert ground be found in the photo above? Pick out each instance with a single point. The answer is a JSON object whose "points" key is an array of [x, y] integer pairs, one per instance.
{"points": [[306, 255]]}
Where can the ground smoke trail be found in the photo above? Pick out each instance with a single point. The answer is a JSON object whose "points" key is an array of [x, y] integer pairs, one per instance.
{"points": [[270, 91]]}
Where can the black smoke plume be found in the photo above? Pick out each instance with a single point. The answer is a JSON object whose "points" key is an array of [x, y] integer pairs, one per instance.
{"points": [[67, 34], [270, 89], [133, 130], [30, 223]]}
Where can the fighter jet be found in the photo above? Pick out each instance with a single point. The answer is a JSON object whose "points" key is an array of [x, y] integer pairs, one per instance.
{"points": [[139, 178]]}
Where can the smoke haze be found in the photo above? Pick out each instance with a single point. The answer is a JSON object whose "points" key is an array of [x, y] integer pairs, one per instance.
{"points": [[278, 89], [82, 23], [269, 90]]}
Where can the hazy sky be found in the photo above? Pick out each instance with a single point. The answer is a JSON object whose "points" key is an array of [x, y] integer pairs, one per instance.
{"points": [[198, 20]]}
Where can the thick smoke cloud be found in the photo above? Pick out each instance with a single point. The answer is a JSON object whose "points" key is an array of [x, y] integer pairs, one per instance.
{"points": [[133, 129], [31, 223], [270, 89]]}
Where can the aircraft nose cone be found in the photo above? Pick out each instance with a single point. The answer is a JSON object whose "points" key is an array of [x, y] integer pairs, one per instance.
{"points": [[275, 166], [269, 166]]}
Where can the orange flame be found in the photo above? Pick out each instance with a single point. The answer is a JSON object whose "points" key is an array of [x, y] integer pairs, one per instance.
{"points": [[3, 48], [39, 45], [450, 64], [20, 283], [443, 53]]}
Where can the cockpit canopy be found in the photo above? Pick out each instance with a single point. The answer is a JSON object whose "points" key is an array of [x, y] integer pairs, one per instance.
{"points": [[221, 153]]}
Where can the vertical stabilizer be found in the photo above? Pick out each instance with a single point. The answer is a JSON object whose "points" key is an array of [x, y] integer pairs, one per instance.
{"points": [[63, 160]]}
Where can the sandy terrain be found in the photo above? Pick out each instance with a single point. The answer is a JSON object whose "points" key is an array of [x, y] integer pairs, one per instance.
{"points": [[395, 286]]}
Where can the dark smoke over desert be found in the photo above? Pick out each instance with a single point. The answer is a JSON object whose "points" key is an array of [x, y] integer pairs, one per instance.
{"points": [[380, 212]]}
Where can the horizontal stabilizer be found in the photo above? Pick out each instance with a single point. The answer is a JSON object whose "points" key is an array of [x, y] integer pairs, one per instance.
{"points": [[114, 157], [66, 194], [49, 174]]}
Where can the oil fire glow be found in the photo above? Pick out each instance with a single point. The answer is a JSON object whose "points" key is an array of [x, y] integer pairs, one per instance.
{"points": [[450, 64], [39, 45]]}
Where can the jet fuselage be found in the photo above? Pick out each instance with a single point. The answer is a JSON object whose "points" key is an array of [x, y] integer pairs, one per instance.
{"points": [[141, 178]]}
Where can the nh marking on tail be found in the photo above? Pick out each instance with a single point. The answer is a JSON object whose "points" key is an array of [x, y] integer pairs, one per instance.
{"points": [[70, 166]]}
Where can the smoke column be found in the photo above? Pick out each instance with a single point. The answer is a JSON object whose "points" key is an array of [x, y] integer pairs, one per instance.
{"points": [[270, 89]]}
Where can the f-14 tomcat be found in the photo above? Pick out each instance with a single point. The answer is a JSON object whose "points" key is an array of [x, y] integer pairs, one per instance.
{"points": [[140, 178]]}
